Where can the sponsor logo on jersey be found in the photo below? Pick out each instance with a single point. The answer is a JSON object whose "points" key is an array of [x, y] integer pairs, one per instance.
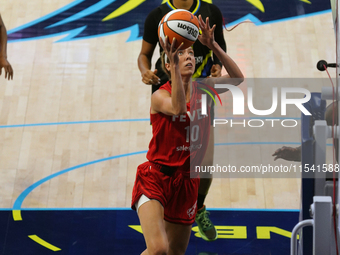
{"points": [[189, 148], [199, 60]]}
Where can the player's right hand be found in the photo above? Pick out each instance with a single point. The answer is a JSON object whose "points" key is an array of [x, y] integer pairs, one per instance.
{"points": [[150, 78], [216, 70], [7, 68]]}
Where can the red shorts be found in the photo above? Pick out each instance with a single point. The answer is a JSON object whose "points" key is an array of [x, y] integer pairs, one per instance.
{"points": [[177, 193]]}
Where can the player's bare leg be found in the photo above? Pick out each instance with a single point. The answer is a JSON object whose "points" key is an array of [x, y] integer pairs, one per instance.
{"points": [[151, 216], [178, 237], [206, 227], [206, 178]]}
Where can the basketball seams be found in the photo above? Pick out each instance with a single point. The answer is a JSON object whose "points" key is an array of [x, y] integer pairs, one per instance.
{"points": [[171, 13], [163, 30]]}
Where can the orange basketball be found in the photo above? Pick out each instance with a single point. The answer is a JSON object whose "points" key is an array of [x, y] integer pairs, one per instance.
{"points": [[180, 24]]}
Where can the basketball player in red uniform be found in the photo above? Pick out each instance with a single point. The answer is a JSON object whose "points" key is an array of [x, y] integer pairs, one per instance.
{"points": [[207, 64], [164, 195]]}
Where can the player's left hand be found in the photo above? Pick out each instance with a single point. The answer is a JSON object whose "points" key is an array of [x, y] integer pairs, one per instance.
{"points": [[216, 71], [207, 37], [7, 68], [170, 50]]}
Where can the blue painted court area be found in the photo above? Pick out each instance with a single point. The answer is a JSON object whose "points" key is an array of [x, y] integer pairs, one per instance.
{"points": [[106, 231]]}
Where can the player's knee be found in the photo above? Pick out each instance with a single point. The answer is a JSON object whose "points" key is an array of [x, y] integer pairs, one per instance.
{"points": [[178, 249], [158, 251], [158, 247]]}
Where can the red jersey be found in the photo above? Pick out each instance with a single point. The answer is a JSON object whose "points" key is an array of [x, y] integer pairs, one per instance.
{"points": [[180, 141]]}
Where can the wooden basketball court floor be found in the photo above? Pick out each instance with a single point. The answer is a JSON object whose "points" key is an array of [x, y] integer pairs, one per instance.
{"points": [[75, 119]]}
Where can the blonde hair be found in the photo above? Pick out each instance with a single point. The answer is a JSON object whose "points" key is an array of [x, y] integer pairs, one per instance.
{"points": [[165, 59]]}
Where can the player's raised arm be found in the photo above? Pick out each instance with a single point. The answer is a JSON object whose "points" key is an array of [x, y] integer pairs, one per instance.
{"points": [[162, 101], [207, 38], [3, 52]]}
